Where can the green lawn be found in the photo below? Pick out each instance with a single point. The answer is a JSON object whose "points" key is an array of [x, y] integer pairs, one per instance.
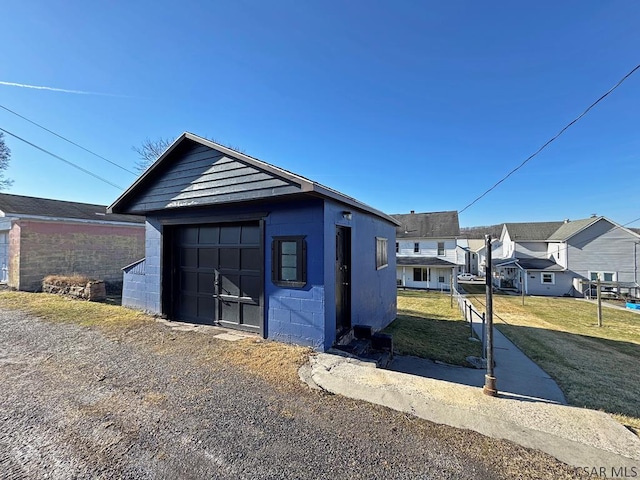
{"points": [[427, 326], [596, 367]]}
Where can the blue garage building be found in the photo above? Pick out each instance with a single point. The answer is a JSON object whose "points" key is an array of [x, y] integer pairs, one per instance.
{"points": [[237, 242]]}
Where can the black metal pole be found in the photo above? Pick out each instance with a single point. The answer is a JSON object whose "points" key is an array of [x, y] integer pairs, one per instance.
{"points": [[489, 378]]}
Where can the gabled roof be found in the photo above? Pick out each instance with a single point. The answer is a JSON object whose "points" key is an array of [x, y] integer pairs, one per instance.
{"points": [[573, 227], [427, 225], [476, 244], [21, 206], [304, 185], [531, 231]]}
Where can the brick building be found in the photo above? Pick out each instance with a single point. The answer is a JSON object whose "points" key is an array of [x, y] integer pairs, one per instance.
{"points": [[40, 237]]}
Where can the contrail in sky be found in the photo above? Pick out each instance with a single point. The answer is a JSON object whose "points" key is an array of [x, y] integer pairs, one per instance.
{"points": [[53, 89]]}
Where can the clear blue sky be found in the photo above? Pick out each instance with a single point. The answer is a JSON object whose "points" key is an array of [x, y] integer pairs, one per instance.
{"points": [[404, 105]]}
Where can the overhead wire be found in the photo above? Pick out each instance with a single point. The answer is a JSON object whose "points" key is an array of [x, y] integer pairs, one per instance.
{"points": [[67, 140], [62, 159], [552, 139]]}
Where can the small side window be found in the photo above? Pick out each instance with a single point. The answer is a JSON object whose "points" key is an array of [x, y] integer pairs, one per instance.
{"points": [[381, 253], [289, 261]]}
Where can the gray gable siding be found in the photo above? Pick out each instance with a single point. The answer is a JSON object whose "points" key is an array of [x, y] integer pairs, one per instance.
{"points": [[531, 250], [201, 175], [602, 247]]}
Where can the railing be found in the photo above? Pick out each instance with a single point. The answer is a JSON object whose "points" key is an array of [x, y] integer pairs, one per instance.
{"points": [[470, 313]]}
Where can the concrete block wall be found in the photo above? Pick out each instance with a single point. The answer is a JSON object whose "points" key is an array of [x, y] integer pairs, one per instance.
{"points": [[296, 315], [134, 286], [97, 251]]}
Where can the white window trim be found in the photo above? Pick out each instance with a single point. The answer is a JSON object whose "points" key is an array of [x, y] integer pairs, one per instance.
{"points": [[444, 249], [382, 243], [601, 273], [553, 278]]}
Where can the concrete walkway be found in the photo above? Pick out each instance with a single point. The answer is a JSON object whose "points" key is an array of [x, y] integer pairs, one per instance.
{"points": [[517, 375], [578, 437]]}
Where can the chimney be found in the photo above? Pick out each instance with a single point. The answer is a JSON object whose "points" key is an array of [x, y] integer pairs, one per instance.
{"points": [[413, 211], [566, 220]]}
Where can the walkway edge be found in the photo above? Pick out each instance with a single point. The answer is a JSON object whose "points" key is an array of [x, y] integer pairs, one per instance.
{"points": [[578, 437]]}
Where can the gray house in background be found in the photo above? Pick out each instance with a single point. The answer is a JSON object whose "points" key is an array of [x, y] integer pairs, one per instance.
{"points": [[557, 258], [427, 252]]}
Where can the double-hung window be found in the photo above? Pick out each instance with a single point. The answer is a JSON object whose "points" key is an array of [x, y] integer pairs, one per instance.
{"points": [[548, 278]]}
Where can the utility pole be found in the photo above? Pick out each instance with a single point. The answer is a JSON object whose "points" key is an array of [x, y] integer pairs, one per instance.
{"points": [[489, 378], [599, 296]]}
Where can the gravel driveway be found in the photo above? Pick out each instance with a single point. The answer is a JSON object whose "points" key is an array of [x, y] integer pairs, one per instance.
{"points": [[81, 402]]}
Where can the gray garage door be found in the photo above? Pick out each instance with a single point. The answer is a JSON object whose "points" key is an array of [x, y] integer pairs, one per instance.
{"points": [[220, 275]]}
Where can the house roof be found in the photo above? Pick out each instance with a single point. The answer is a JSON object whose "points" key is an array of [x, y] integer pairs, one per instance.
{"points": [[531, 231], [306, 186], [21, 206], [424, 261], [427, 225], [569, 228], [476, 244], [541, 264]]}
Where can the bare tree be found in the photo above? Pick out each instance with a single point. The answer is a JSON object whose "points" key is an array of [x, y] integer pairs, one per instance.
{"points": [[5, 156], [150, 150]]}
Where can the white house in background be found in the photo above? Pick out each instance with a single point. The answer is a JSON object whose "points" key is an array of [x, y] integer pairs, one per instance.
{"points": [[552, 258], [427, 252], [477, 256]]}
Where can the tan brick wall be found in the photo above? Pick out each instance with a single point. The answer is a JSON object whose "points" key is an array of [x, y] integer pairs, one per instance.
{"points": [[57, 248]]}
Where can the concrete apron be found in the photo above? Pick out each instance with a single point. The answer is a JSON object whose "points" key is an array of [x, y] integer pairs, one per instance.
{"points": [[576, 436]]}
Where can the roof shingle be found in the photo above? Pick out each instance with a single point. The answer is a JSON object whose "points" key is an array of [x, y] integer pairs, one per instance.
{"points": [[428, 225], [17, 205]]}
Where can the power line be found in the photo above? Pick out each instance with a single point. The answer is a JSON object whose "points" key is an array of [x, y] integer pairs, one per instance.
{"points": [[62, 159], [67, 140], [553, 138]]}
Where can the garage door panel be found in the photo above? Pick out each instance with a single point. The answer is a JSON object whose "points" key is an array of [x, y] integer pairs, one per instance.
{"points": [[207, 258], [189, 257], [229, 311], [206, 283], [230, 285], [230, 258], [206, 305], [230, 235], [250, 315], [189, 235], [250, 234], [209, 235], [250, 259], [189, 282], [251, 287]]}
